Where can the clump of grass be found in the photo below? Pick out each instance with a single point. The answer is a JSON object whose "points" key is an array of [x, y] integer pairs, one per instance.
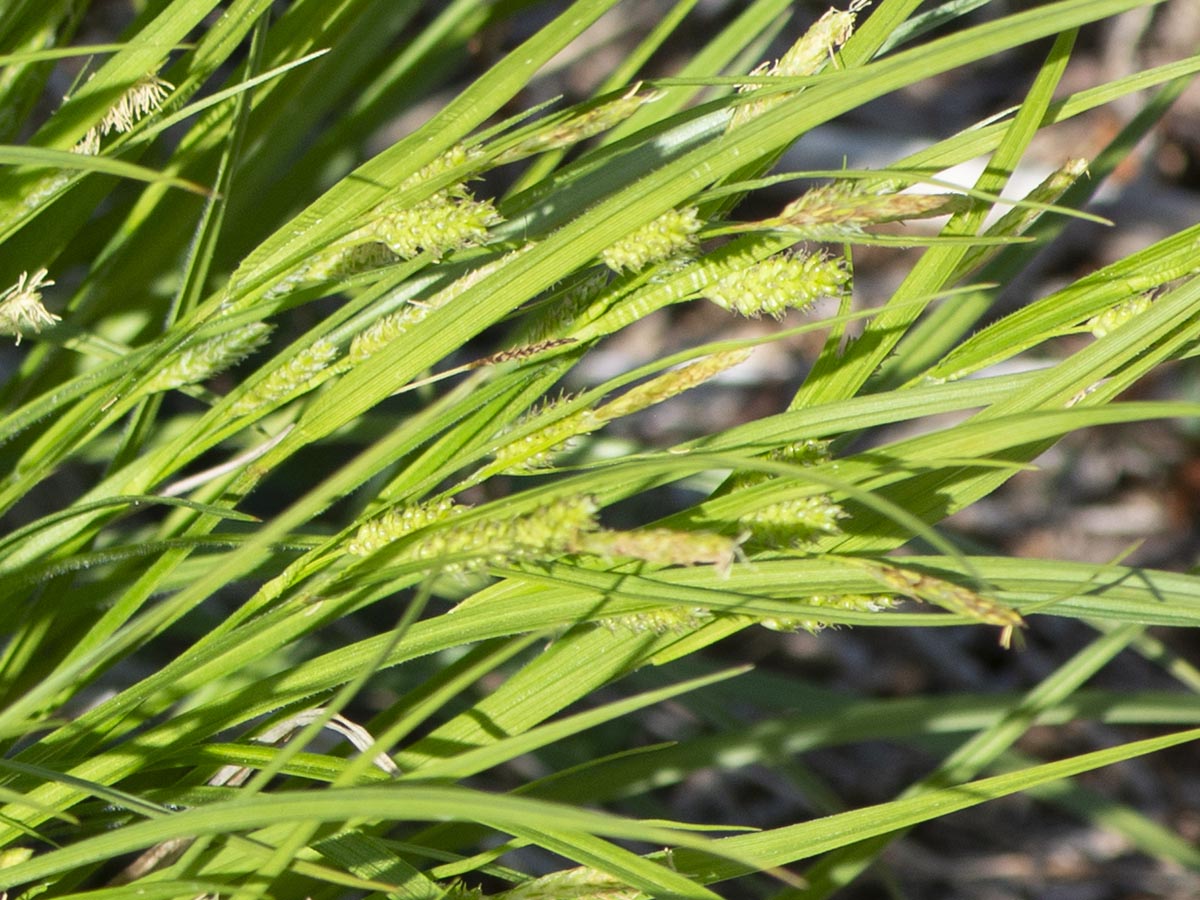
{"points": [[288, 445]]}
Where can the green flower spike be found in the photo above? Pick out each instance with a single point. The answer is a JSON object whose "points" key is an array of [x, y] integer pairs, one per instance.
{"points": [[537, 450], [670, 235], [292, 377], [778, 284], [809, 55], [398, 523], [440, 224], [549, 530], [200, 361], [665, 620], [389, 328], [580, 127], [842, 210], [849, 602], [790, 523]]}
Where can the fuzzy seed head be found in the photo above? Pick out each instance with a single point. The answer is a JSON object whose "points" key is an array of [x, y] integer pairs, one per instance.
{"points": [[953, 597], [381, 333], [816, 47], [1018, 220], [556, 316], [844, 209], [538, 449], [556, 526], [809, 452], [342, 260], [1048, 191], [389, 328], [456, 156]]}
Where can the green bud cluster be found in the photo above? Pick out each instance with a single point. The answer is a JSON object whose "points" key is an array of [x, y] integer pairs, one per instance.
{"points": [[398, 523], [389, 328], [665, 620], [580, 127], [670, 235], [780, 283], [334, 263], [439, 224], [813, 624], [556, 314], [384, 331], [790, 523]]}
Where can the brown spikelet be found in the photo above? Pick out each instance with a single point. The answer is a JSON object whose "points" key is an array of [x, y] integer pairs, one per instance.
{"points": [[514, 354], [952, 597]]}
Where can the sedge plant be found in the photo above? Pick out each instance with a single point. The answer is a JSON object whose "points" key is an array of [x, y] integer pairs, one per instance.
{"points": [[295, 445]]}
